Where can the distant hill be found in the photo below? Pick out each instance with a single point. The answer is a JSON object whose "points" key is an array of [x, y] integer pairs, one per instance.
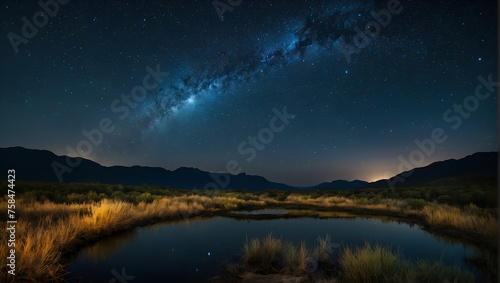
{"points": [[477, 165], [340, 185], [36, 165]]}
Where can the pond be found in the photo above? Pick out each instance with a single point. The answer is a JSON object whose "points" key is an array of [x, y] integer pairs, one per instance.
{"points": [[262, 211], [191, 250]]}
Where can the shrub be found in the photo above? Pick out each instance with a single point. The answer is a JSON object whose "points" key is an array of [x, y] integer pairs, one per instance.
{"points": [[147, 198], [417, 204], [381, 264], [76, 198], [93, 196], [444, 199]]}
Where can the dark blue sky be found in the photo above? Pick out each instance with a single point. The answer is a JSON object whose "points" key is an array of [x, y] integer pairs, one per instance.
{"points": [[358, 101]]}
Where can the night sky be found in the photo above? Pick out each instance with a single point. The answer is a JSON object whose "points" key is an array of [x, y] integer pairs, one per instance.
{"points": [[357, 109]]}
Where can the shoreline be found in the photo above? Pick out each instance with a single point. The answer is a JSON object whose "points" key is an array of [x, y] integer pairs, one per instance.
{"points": [[478, 240], [295, 210]]}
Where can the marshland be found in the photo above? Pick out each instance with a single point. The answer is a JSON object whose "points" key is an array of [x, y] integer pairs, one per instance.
{"points": [[57, 221]]}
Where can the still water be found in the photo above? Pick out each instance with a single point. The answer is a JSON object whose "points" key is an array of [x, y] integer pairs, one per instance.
{"points": [[191, 250]]}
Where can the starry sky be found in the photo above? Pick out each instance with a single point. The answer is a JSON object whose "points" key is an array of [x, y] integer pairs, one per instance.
{"points": [[357, 92]]}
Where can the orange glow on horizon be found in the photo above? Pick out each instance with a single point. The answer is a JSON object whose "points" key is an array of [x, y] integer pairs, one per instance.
{"points": [[379, 177]]}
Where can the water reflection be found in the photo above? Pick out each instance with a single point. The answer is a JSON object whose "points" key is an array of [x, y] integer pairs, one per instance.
{"points": [[191, 249], [108, 245], [262, 211], [100, 250]]}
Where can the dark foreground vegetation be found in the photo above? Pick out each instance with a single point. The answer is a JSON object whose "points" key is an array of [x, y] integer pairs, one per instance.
{"points": [[456, 192], [55, 219], [270, 259]]}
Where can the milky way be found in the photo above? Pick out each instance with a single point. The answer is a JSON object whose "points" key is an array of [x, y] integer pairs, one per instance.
{"points": [[362, 87], [322, 27]]}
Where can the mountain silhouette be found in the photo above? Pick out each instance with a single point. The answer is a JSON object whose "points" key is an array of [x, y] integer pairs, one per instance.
{"points": [[38, 165], [340, 185], [477, 165]]}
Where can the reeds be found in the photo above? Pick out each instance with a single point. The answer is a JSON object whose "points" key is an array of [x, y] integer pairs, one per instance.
{"points": [[45, 232], [370, 264], [381, 264], [271, 253], [366, 264], [469, 219]]}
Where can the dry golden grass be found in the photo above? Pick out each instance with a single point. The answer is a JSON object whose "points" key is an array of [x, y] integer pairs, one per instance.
{"points": [[271, 254], [470, 219], [380, 264], [366, 264], [267, 252], [253, 252], [45, 232], [369, 264]]}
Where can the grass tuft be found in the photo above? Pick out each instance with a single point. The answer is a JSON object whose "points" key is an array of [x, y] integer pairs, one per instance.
{"points": [[381, 264], [369, 263], [46, 231]]}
